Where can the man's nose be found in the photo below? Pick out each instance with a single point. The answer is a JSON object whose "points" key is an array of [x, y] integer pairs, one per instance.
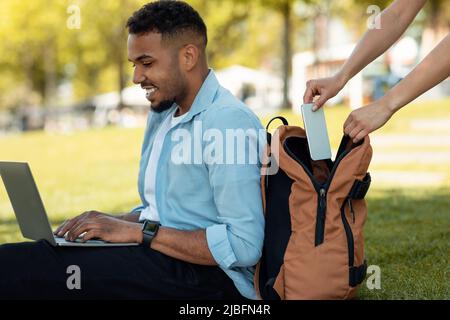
{"points": [[138, 77]]}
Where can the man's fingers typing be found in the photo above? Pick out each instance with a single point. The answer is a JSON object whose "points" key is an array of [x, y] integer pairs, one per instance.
{"points": [[76, 232], [66, 227], [60, 227], [91, 234]]}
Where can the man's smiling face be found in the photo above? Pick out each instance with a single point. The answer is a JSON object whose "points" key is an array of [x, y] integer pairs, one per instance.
{"points": [[156, 69]]}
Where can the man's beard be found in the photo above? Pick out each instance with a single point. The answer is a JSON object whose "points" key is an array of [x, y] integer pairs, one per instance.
{"points": [[163, 106], [176, 87]]}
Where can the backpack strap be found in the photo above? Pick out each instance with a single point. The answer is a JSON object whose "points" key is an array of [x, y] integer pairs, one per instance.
{"points": [[357, 274], [360, 188], [283, 119], [269, 136], [269, 292]]}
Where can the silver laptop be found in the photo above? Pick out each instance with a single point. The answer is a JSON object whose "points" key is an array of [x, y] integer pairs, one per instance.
{"points": [[29, 208]]}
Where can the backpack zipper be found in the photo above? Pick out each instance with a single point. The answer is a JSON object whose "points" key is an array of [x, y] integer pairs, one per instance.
{"points": [[348, 232], [321, 190], [320, 218], [350, 205]]}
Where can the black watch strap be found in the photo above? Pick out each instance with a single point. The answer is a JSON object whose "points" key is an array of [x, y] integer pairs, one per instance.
{"points": [[149, 231]]}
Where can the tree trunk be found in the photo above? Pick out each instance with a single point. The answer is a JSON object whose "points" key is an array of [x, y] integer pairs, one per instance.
{"points": [[287, 52], [122, 79], [320, 41], [50, 75], [435, 30], [121, 49]]}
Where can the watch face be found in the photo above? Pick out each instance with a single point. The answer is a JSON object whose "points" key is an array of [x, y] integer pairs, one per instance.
{"points": [[150, 227]]}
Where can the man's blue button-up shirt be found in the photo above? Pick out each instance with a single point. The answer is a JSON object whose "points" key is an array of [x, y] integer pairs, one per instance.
{"points": [[201, 184]]}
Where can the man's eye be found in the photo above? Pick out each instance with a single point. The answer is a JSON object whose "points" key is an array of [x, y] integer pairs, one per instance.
{"points": [[147, 64]]}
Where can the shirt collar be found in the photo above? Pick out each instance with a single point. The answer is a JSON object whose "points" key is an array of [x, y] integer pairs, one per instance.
{"points": [[205, 96]]}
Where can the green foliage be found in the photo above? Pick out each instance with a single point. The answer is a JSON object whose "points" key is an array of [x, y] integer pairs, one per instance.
{"points": [[436, 13], [31, 38], [93, 57], [39, 51]]}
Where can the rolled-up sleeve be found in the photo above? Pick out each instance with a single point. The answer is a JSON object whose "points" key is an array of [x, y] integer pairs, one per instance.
{"points": [[237, 239], [220, 246]]}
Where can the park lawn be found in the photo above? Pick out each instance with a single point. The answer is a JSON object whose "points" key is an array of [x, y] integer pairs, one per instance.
{"points": [[407, 232]]}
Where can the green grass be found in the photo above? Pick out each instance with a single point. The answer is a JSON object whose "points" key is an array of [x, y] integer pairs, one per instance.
{"points": [[407, 236], [407, 232]]}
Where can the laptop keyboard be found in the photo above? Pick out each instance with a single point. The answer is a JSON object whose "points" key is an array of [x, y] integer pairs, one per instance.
{"points": [[77, 240]]}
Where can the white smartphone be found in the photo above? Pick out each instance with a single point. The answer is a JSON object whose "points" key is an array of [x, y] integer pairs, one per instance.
{"points": [[316, 132]]}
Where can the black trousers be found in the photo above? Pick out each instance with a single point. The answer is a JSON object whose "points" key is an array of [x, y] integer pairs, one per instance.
{"points": [[37, 270]]}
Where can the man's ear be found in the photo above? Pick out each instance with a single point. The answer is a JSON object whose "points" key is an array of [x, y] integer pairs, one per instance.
{"points": [[189, 56]]}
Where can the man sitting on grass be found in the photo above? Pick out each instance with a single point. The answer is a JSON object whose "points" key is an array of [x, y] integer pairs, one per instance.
{"points": [[206, 215]]}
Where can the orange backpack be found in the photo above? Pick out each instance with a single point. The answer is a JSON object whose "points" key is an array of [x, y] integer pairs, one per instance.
{"points": [[315, 213]]}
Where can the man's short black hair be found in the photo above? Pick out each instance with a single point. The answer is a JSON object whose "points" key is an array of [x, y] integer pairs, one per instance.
{"points": [[168, 17]]}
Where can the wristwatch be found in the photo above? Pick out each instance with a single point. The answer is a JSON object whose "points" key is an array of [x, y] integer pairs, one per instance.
{"points": [[149, 231]]}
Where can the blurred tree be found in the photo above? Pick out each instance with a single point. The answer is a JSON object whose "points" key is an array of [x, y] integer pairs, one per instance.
{"points": [[439, 14], [436, 24], [226, 23], [106, 41], [47, 51], [31, 39], [286, 9], [42, 46], [435, 17], [49, 47], [241, 32]]}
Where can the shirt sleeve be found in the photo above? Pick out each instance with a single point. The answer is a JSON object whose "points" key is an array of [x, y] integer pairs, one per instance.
{"points": [[236, 241]]}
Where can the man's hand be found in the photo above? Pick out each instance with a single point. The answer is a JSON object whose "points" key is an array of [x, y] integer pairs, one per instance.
{"points": [[326, 88], [364, 120], [100, 225]]}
